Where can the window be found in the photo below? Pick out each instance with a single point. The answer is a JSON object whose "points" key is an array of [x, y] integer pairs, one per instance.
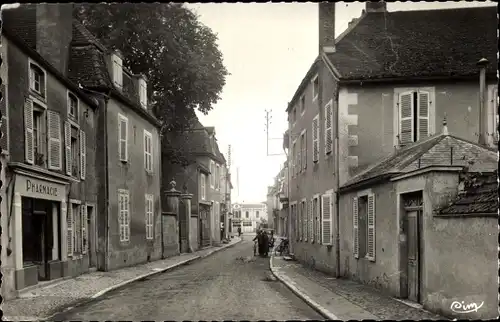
{"points": [[317, 219], [143, 95], [75, 147], [74, 152], [315, 139], [247, 214], [303, 145], [83, 155], [123, 138], [257, 214], [315, 88], [212, 174], [413, 116], [364, 226], [326, 219], [117, 71], [37, 80], [217, 178], [302, 104], [303, 215], [328, 127], [123, 215], [72, 106], [294, 116], [292, 155], [38, 135], [493, 116], [310, 221], [70, 230], [148, 151], [77, 229], [203, 186], [149, 216], [85, 228]]}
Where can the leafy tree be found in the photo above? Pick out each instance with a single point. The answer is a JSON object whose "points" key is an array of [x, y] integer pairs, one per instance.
{"points": [[179, 55]]}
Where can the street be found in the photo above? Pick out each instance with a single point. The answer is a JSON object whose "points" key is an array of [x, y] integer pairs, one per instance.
{"points": [[229, 285]]}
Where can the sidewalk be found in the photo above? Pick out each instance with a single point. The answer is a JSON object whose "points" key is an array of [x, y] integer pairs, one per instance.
{"points": [[41, 303], [342, 299]]}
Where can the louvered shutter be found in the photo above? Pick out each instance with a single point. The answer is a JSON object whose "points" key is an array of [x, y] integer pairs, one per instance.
{"points": [[29, 143], [306, 221], [315, 139], [54, 140], [328, 128], [355, 224], [317, 213], [297, 223], [423, 114], [83, 155], [121, 215], [83, 216], [299, 154], [304, 154], [301, 219], [4, 140], [146, 214], [406, 118], [311, 220], [326, 222], [371, 227], [70, 229], [127, 217], [67, 143]]}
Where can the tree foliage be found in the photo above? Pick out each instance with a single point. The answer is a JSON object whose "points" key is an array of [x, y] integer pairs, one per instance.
{"points": [[177, 53]]}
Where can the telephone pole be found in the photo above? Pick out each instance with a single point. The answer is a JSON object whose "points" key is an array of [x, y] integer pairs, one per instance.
{"points": [[268, 123]]}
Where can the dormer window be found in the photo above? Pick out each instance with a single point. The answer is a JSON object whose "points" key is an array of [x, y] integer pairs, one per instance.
{"points": [[143, 92], [117, 70], [37, 80], [315, 88], [73, 106]]}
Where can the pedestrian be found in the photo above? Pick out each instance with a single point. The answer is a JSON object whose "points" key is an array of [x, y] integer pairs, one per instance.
{"points": [[239, 231], [265, 244], [258, 240], [271, 240]]}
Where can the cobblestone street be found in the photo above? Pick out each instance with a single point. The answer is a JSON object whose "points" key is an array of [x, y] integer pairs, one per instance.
{"points": [[229, 285]]}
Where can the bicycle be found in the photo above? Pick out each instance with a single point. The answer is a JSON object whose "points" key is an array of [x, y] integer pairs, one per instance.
{"points": [[283, 247]]}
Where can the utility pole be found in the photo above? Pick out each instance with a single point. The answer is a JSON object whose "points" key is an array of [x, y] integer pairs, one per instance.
{"points": [[268, 123]]}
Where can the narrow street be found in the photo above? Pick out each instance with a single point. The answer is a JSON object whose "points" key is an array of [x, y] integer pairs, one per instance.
{"points": [[229, 285]]}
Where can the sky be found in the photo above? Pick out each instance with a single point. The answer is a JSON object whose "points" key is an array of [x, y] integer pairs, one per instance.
{"points": [[268, 48]]}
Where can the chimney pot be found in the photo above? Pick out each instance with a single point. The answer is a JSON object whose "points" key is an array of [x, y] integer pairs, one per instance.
{"points": [[376, 6], [445, 126], [483, 62]]}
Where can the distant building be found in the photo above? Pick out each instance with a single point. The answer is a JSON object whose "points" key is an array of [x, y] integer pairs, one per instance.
{"points": [[249, 216]]}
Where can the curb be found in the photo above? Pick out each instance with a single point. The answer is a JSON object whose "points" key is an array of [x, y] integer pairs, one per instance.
{"points": [[135, 279], [302, 295]]}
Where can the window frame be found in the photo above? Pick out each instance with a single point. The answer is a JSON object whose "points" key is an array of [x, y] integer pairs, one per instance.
{"points": [[70, 95], [203, 186], [315, 92], [302, 103], [148, 136], [31, 79], [368, 194], [126, 222], [212, 174], [121, 118], [149, 199]]}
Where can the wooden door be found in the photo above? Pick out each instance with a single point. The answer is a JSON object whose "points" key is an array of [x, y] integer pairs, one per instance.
{"points": [[413, 236]]}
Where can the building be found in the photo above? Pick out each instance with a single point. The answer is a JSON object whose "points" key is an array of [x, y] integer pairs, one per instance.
{"points": [[49, 191], [382, 67], [395, 237], [249, 216], [276, 204], [128, 172]]}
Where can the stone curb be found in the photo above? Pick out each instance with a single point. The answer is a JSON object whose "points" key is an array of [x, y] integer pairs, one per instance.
{"points": [[302, 295], [135, 279]]}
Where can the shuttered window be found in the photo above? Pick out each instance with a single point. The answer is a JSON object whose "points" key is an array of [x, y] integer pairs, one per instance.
{"points": [[203, 186], [294, 158], [317, 218], [83, 155], [77, 229], [69, 229], [212, 174], [54, 141], [406, 118], [413, 116], [83, 216], [67, 145], [423, 115], [148, 151], [355, 231], [305, 220], [310, 216], [299, 154], [29, 149], [149, 216], [304, 150], [124, 215], [4, 121], [371, 228], [123, 138], [216, 179], [328, 127], [326, 219], [297, 222], [315, 139]]}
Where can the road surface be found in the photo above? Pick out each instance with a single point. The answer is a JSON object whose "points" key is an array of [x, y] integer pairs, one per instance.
{"points": [[230, 285]]}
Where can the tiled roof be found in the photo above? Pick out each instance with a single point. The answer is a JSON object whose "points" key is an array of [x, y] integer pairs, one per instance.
{"points": [[480, 196], [22, 23], [438, 150], [87, 67], [446, 42]]}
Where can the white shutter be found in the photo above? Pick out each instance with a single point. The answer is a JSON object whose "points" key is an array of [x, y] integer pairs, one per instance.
{"points": [[423, 114], [297, 222], [315, 139], [326, 220], [123, 138], [127, 217], [29, 142], [355, 224], [70, 229], [328, 128], [406, 118], [67, 143], [304, 152], [83, 155], [54, 140], [371, 228], [311, 220], [121, 215], [83, 211], [318, 219], [299, 154], [306, 221]]}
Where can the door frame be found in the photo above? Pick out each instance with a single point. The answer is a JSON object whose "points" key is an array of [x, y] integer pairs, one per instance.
{"points": [[94, 237], [404, 278]]}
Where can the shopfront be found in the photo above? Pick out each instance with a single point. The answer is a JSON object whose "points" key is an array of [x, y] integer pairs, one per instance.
{"points": [[39, 213]]}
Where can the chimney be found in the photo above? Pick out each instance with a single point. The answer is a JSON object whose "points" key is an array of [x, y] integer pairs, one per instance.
{"points": [[54, 32], [483, 114], [445, 126], [376, 6], [326, 27]]}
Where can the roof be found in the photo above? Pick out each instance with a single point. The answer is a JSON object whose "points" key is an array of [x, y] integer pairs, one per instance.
{"points": [[422, 43], [480, 196], [438, 150], [310, 73]]}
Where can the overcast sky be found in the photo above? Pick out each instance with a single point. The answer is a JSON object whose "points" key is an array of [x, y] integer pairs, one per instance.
{"points": [[268, 48]]}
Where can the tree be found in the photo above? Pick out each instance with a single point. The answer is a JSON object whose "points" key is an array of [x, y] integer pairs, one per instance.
{"points": [[177, 53]]}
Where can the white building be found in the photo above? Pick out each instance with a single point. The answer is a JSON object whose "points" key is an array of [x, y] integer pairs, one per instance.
{"points": [[248, 216]]}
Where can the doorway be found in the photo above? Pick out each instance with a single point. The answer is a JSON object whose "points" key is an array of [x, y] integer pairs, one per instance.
{"points": [[414, 270], [91, 238]]}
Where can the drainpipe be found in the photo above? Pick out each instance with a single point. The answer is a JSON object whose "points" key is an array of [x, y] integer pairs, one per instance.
{"points": [[482, 63], [337, 184]]}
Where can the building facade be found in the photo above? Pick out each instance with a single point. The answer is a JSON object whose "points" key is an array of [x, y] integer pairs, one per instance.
{"points": [[249, 216], [49, 193]]}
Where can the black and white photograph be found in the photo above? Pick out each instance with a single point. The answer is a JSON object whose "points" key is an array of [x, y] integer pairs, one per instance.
{"points": [[249, 161]]}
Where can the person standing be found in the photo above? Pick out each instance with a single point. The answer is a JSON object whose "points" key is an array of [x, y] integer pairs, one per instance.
{"points": [[265, 244], [239, 231]]}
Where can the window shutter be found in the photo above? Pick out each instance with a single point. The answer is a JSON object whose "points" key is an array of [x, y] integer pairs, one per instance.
{"points": [[311, 221], [151, 153], [54, 140], [317, 213], [315, 139], [28, 132], [123, 138], [121, 215], [328, 128], [326, 234], [371, 227], [67, 143], [306, 221], [304, 152], [83, 155], [127, 217], [299, 154], [297, 222], [423, 114], [69, 225], [83, 211], [406, 118], [355, 224]]}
